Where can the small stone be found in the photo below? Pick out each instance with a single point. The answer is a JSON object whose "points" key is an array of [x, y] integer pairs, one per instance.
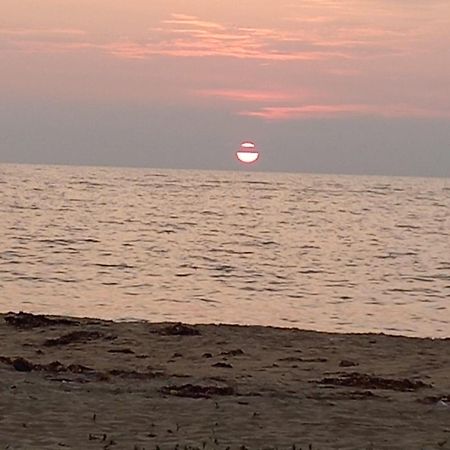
{"points": [[347, 363], [22, 365], [223, 364]]}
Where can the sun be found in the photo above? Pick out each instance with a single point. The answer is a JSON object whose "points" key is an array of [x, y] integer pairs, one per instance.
{"points": [[247, 153]]}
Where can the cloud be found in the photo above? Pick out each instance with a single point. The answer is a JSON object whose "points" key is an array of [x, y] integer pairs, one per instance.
{"points": [[315, 58], [340, 110], [194, 22], [304, 111], [240, 95], [189, 36], [39, 32], [367, 28], [42, 34], [44, 39], [315, 30]]}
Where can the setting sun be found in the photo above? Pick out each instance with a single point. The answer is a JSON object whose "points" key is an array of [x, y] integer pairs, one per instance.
{"points": [[247, 153]]}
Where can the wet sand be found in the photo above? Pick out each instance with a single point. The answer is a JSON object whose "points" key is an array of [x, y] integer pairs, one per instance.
{"points": [[94, 384]]}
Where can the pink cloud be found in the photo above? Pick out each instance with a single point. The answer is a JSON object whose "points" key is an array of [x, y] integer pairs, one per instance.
{"points": [[127, 49], [240, 95], [186, 49], [188, 36], [363, 28], [337, 110], [315, 38], [329, 58], [38, 40], [194, 22], [305, 111], [342, 31], [41, 32]]}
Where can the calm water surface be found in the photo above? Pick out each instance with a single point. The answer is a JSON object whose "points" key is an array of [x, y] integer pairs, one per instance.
{"points": [[334, 253]]}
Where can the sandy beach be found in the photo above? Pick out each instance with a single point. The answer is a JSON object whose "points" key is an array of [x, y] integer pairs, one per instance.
{"points": [[95, 384]]}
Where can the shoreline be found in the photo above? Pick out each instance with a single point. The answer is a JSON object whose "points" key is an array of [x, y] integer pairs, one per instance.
{"points": [[86, 383]]}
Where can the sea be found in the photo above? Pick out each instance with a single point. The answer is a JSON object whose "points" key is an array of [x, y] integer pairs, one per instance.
{"points": [[332, 253]]}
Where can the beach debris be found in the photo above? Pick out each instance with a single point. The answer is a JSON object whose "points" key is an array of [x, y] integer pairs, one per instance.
{"points": [[359, 395], [54, 366], [300, 359], [362, 380], [27, 320], [75, 336], [22, 365], [319, 359], [123, 350], [441, 404], [78, 368], [110, 444], [352, 395], [443, 398], [179, 329], [196, 391], [223, 364], [236, 352], [348, 363], [6, 360], [97, 436], [290, 358], [135, 374], [207, 355], [442, 401], [102, 437]]}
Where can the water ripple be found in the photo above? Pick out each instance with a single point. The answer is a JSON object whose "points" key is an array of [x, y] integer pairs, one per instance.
{"points": [[335, 253]]}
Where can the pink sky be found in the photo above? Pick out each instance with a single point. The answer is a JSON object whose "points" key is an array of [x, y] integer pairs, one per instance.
{"points": [[272, 60]]}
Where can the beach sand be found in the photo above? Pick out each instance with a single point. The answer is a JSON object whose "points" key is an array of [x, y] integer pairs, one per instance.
{"points": [[95, 384]]}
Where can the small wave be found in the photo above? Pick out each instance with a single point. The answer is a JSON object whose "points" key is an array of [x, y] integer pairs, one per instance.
{"points": [[116, 266]]}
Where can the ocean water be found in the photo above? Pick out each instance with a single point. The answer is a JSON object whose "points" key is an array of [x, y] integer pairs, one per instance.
{"points": [[324, 252]]}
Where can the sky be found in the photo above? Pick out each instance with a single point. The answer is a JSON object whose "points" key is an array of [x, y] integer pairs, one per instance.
{"points": [[326, 86]]}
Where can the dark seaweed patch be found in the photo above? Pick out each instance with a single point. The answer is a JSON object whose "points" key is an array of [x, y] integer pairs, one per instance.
{"points": [[365, 381], [197, 391], [28, 320], [179, 329], [75, 336]]}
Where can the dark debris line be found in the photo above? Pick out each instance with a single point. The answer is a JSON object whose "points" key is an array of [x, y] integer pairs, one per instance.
{"points": [[365, 381], [27, 320]]}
